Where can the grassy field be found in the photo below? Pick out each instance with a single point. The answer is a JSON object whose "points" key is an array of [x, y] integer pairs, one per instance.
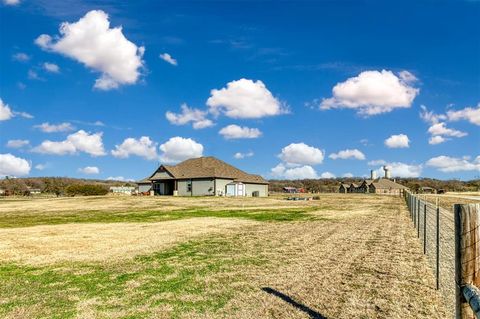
{"points": [[342, 256]]}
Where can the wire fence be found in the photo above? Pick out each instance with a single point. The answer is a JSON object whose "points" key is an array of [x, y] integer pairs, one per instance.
{"points": [[435, 228]]}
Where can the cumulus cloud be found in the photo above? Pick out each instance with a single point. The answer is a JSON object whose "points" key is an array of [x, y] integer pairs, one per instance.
{"points": [[168, 58], [89, 170], [240, 155], [21, 57], [373, 92], [92, 42], [40, 167], [13, 166], [53, 128], [430, 116], [441, 129], [327, 175], [301, 154], [244, 98], [11, 2], [197, 117], [348, 175], [434, 140], [51, 67], [470, 114], [178, 149], [5, 111], [449, 164], [348, 154], [377, 162], [235, 132], [399, 169], [80, 141], [302, 172], [143, 147], [17, 143], [397, 141]]}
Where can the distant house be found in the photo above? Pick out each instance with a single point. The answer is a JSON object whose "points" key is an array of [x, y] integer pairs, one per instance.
{"points": [[205, 176], [123, 190], [289, 189], [343, 188], [34, 191], [428, 190], [375, 185]]}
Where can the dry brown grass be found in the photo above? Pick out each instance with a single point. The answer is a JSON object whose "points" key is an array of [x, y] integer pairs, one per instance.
{"points": [[40, 245], [361, 260]]}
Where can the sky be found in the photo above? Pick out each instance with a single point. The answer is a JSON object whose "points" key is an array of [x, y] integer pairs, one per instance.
{"points": [[312, 89]]}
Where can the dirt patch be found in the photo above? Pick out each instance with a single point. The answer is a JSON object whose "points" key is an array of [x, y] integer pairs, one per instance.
{"points": [[100, 242]]}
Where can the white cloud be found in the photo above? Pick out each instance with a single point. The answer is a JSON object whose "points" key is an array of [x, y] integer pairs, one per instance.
{"points": [[80, 141], [23, 114], [119, 178], [234, 132], [240, 155], [301, 172], [301, 154], [244, 98], [372, 92], [397, 141], [437, 139], [13, 166], [33, 75], [17, 143], [89, 170], [430, 116], [327, 175], [348, 175], [407, 77], [21, 57], [377, 162], [143, 147], [11, 2], [441, 129], [51, 67], [92, 42], [189, 115], [449, 164], [470, 114], [346, 154], [177, 149], [52, 128], [399, 169], [40, 167], [168, 58], [5, 111]]}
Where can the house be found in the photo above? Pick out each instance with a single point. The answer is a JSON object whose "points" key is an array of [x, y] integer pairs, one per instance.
{"points": [[33, 191], [428, 190], [291, 190], [122, 190], [343, 188], [376, 185], [205, 176], [386, 187]]}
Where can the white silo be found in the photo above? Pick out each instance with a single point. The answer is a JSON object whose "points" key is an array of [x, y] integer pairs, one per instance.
{"points": [[373, 174]]}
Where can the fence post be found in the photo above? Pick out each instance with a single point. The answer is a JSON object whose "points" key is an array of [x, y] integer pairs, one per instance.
{"points": [[467, 254], [438, 247], [414, 211], [425, 228], [418, 222]]}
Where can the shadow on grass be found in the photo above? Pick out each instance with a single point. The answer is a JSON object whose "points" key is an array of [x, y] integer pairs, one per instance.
{"points": [[310, 312]]}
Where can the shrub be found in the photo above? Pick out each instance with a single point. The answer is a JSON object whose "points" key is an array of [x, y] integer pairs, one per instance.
{"points": [[86, 190]]}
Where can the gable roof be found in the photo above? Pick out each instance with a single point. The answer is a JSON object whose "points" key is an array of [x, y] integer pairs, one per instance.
{"points": [[386, 183], [206, 167]]}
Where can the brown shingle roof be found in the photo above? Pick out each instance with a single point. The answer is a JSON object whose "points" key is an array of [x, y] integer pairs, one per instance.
{"points": [[209, 167], [386, 183]]}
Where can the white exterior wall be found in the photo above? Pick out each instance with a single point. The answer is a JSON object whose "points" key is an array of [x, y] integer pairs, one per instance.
{"points": [[182, 188], [220, 186], [262, 189], [202, 187], [142, 188]]}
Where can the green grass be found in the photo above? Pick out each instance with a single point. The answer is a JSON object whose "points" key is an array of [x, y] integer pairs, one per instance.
{"points": [[24, 219], [172, 279]]}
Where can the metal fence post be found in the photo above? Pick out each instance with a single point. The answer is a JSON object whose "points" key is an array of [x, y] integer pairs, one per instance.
{"points": [[438, 247], [418, 222], [425, 228]]}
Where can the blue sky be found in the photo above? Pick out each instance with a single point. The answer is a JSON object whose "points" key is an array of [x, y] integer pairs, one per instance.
{"points": [[299, 89]]}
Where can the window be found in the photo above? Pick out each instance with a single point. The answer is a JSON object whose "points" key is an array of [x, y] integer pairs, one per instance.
{"points": [[189, 186]]}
